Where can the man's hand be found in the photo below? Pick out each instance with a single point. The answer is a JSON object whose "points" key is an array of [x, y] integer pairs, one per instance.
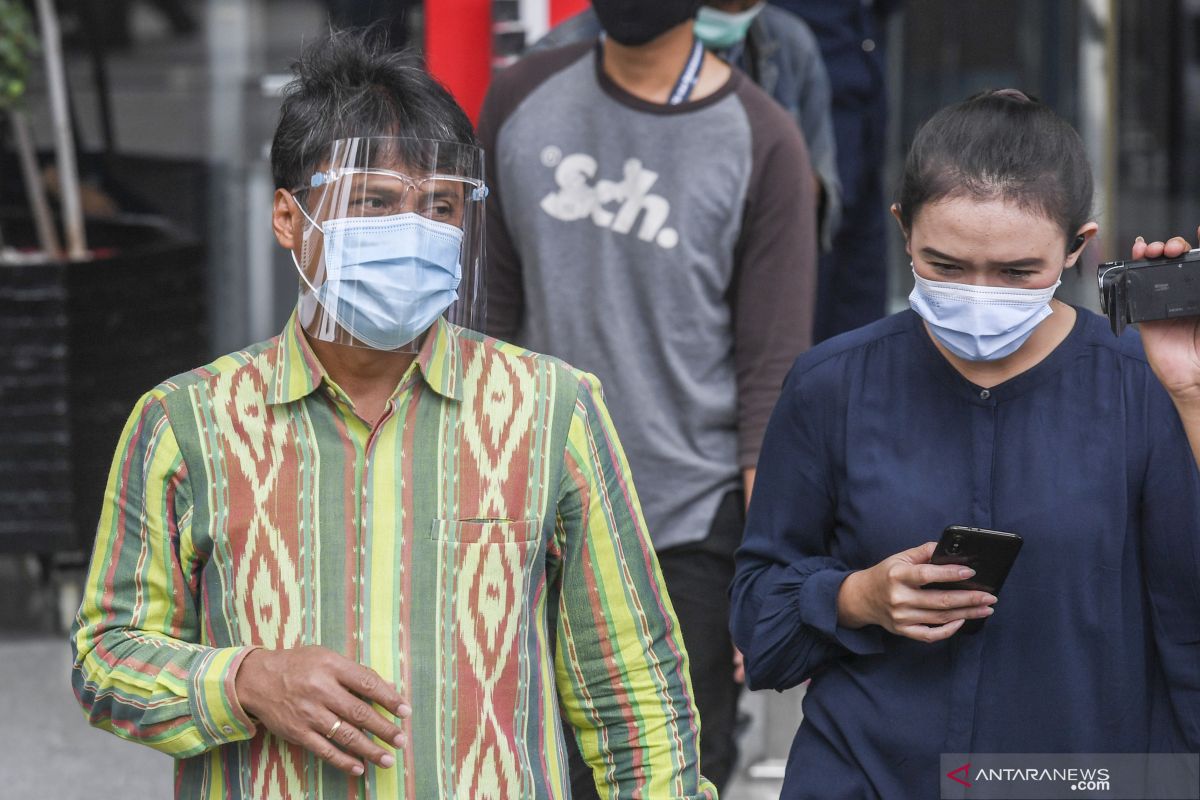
{"points": [[748, 476], [1172, 345], [301, 695], [889, 594]]}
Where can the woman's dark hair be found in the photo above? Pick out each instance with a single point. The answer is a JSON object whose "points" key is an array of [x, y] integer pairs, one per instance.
{"points": [[352, 84], [1000, 144]]}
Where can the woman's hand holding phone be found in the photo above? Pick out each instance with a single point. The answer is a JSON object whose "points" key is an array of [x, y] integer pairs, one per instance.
{"points": [[889, 595]]}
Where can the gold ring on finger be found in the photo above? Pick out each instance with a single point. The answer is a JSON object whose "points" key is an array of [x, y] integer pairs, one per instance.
{"points": [[334, 729]]}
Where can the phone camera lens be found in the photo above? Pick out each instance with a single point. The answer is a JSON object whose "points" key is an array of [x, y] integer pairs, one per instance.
{"points": [[956, 544]]}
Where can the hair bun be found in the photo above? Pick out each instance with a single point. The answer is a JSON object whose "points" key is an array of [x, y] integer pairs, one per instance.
{"points": [[1011, 94]]}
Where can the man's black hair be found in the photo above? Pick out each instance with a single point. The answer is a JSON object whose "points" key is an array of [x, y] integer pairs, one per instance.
{"points": [[352, 84], [1000, 144]]}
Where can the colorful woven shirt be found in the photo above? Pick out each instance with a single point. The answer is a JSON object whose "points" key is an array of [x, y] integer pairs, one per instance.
{"points": [[487, 515]]}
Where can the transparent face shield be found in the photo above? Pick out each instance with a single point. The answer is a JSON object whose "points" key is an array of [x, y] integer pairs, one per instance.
{"points": [[392, 240]]}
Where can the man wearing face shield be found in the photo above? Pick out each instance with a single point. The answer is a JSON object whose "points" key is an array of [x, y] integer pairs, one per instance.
{"points": [[332, 564], [653, 218]]}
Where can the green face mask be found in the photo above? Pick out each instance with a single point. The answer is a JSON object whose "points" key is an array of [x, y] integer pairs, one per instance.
{"points": [[720, 29]]}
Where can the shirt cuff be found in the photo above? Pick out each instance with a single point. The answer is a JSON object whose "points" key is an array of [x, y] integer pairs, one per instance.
{"points": [[818, 608], [219, 716]]}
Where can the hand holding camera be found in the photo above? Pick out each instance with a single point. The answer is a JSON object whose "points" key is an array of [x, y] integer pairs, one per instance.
{"points": [[1171, 340], [1151, 289], [1173, 344]]}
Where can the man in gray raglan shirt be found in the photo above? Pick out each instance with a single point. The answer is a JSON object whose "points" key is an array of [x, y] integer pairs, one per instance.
{"points": [[779, 52], [652, 220]]}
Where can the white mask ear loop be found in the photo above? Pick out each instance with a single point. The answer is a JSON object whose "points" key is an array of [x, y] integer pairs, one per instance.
{"points": [[311, 221], [303, 277], [305, 237], [327, 323]]}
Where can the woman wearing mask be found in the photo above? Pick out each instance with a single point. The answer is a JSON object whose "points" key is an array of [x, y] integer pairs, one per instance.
{"points": [[988, 405]]}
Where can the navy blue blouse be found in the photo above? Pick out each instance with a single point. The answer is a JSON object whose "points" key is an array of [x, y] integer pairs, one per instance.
{"points": [[876, 445]]}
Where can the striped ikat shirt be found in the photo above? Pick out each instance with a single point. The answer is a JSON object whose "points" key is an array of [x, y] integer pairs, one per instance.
{"points": [[488, 514]]}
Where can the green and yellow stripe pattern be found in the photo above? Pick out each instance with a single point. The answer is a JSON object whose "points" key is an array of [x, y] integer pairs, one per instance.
{"points": [[487, 516]]}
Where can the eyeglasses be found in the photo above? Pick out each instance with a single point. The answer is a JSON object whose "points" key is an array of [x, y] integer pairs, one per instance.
{"points": [[357, 192]]}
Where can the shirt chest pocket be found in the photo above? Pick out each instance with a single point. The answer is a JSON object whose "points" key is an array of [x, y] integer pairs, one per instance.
{"points": [[487, 571], [484, 531]]}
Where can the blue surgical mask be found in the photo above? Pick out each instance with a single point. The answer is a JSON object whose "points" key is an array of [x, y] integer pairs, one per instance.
{"points": [[388, 279], [721, 29], [980, 323]]}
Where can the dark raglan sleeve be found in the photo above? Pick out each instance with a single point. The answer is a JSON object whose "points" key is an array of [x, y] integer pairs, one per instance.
{"points": [[505, 296], [505, 291], [775, 266]]}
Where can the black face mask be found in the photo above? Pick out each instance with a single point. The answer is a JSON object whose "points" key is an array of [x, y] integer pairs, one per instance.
{"points": [[635, 22]]}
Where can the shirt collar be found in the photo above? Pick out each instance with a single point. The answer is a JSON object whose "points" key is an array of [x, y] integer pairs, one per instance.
{"points": [[297, 372], [440, 360]]}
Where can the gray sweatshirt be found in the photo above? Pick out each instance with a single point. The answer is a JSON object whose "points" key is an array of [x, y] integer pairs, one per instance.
{"points": [[670, 250]]}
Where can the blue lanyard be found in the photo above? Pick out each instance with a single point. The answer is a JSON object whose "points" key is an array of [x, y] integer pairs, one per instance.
{"points": [[689, 76]]}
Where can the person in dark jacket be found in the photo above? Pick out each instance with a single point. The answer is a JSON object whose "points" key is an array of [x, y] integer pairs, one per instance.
{"points": [[852, 288]]}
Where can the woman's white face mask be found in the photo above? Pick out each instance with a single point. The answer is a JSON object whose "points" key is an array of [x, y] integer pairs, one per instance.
{"points": [[985, 273], [980, 323]]}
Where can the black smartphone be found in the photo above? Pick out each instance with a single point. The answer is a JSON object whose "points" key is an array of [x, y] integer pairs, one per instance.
{"points": [[990, 553]]}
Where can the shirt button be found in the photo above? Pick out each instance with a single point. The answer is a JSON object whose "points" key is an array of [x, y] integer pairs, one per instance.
{"points": [[984, 394], [227, 728], [868, 45]]}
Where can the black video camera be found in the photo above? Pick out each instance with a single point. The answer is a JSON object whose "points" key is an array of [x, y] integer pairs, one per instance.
{"points": [[1160, 288]]}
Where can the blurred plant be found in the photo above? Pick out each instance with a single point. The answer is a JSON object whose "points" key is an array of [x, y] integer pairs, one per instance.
{"points": [[18, 46]]}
